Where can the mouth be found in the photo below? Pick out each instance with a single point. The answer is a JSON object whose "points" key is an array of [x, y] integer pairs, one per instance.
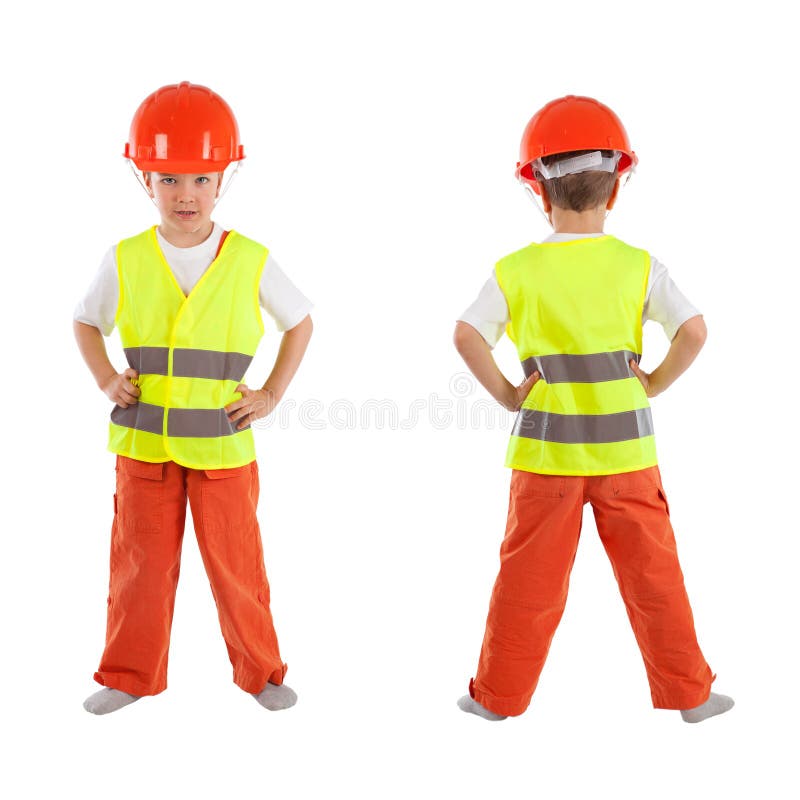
{"points": [[186, 214]]}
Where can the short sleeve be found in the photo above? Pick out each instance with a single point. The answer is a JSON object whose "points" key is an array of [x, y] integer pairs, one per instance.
{"points": [[665, 303], [280, 298], [488, 314], [98, 306]]}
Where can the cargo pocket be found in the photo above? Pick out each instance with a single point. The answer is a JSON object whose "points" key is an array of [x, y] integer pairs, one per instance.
{"points": [[222, 474], [533, 484], [141, 469], [227, 499], [640, 480], [643, 484], [140, 493]]}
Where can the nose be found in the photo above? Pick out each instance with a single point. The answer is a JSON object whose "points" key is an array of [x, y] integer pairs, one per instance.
{"points": [[186, 192]]}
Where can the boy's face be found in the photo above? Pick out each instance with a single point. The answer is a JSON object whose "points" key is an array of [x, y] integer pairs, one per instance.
{"points": [[185, 202]]}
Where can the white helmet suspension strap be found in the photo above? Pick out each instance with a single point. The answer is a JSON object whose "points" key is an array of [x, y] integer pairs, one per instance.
{"points": [[585, 162]]}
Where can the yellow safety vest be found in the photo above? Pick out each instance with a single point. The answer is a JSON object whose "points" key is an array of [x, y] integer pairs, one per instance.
{"points": [[576, 317], [190, 353]]}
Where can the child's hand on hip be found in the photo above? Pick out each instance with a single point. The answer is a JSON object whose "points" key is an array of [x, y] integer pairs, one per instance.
{"points": [[645, 378], [254, 404], [521, 392], [121, 388]]}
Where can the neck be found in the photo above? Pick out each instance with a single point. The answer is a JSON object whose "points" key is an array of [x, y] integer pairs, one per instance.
{"points": [[186, 238], [564, 220]]}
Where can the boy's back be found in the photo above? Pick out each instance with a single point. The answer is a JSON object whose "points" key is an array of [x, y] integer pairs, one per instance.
{"points": [[575, 316], [574, 306]]}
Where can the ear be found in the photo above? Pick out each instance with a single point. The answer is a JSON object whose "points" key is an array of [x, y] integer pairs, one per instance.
{"points": [[613, 198], [220, 176], [147, 177]]}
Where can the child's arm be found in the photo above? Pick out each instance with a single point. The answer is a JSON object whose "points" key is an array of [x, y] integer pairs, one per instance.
{"points": [[116, 385], [478, 357], [686, 344], [257, 403]]}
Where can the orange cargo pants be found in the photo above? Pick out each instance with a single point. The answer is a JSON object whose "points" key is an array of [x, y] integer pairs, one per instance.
{"points": [[536, 557], [146, 538]]}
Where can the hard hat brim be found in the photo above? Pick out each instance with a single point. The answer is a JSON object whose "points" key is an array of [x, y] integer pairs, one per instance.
{"points": [[182, 167]]}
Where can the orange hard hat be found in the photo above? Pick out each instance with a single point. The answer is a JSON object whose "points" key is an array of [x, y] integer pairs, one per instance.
{"points": [[572, 123], [184, 127]]}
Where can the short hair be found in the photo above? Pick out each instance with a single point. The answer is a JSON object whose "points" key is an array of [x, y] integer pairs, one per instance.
{"points": [[581, 190]]}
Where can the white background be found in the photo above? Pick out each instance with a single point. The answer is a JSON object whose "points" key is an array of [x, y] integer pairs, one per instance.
{"points": [[381, 143]]}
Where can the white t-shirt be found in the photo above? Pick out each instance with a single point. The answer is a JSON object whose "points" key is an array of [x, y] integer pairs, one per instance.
{"points": [[664, 303], [278, 296]]}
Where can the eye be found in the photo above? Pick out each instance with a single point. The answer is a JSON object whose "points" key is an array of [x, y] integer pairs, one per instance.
{"points": [[202, 179], [167, 181]]}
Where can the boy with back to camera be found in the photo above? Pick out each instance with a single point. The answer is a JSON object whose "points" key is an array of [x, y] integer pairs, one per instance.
{"points": [[185, 296], [574, 306]]}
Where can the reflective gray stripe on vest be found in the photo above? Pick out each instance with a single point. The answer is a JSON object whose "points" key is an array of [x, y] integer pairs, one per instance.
{"points": [[148, 360], [593, 368], [583, 428], [189, 363], [198, 422], [142, 416], [209, 364]]}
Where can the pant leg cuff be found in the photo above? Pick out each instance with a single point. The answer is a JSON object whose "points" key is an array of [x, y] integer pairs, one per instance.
{"points": [[683, 700], [507, 706], [253, 683], [125, 683]]}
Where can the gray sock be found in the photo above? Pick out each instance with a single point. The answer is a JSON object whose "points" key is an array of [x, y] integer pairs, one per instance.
{"points": [[276, 697], [107, 700], [466, 703], [716, 704]]}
